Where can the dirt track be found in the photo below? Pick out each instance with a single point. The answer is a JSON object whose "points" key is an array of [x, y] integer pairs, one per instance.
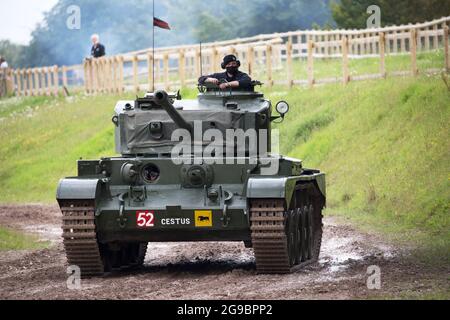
{"points": [[213, 270]]}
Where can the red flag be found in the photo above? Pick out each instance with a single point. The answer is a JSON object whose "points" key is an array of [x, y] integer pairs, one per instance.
{"points": [[160, 23]]}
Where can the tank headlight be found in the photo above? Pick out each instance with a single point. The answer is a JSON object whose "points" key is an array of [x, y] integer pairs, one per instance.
{"points": [[282, 108]]}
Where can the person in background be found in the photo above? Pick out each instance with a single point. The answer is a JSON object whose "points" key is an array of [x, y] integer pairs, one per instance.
{"points": [[3, 77], [3, 63], [98, 50], [232, 78]]}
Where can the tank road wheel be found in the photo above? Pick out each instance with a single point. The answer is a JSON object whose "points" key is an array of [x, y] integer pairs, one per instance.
{"points": [[291, 235], [309, 233], [137, 252], [284, 241], [303, 239], [298, 236], [118, 257], [317, 229]]}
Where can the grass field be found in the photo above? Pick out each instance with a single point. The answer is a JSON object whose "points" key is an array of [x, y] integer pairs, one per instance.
{"points": [[13, 240], [384, 145]]}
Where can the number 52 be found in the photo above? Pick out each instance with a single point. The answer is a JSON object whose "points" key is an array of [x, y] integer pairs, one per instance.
{"points": [[145, 219]]}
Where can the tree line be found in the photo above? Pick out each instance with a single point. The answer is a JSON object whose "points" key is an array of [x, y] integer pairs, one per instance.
{"points": [[126, 25]]}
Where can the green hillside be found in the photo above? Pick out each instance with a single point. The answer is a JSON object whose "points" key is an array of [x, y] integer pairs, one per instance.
{"points": [[384, 145], [386, 149]]}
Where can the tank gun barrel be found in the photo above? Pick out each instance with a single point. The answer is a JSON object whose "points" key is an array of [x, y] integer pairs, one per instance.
{"points": [[161, 98]]}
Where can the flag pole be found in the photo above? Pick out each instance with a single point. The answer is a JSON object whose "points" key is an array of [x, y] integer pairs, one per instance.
{"points": [[153, 47]]}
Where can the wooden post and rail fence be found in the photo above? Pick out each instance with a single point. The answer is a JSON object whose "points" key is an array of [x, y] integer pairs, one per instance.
{"points": [[277, 59]]}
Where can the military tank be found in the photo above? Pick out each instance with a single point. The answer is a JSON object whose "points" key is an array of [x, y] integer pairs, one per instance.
{"points": [[115, 206]]}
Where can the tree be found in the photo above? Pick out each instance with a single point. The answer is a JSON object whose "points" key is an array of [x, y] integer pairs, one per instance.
{"points": [[126, 26], [352, 13], [12, 53]]}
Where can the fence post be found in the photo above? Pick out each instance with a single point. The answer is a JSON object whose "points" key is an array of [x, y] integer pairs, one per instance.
{"points": [[23, 81], [135, 74], [64, 76], [56, 80], [99, 73], [115, 62], [395, 41], [269, 65], [41, 81], [30, 77], [181, 68], [311, 63], [250, 59], [403, 42], [382, 46], [414, 69], [166, 72], [108, 79], [345, 70], [290, 71], [214, 59], [30, 83], [35, 82], [10, 81], [18, 82], [446, 49], [96, 77], [86, 76], [427, 39], [436, 37], [150, 72], [121, 74], [112, 76], [198, 63], [103, 75]]}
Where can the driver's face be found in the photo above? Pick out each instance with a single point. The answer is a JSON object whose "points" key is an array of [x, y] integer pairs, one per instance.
{"points": [[232, 64]]}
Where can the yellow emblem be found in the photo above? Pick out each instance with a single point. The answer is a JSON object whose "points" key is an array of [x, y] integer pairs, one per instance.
{"points": [[203, 219]]}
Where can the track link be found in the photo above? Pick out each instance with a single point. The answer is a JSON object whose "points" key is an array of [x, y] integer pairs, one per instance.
{"points": [[79, 237]]}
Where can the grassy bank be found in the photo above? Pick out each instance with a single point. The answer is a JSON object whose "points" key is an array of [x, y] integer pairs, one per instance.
{"points": [[385, 147]]}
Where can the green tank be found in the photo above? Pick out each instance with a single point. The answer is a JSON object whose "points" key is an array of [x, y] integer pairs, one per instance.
{"points": [[188, 171]]}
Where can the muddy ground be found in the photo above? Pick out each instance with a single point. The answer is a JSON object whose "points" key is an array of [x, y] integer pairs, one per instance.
{"points": [[215, 270]]}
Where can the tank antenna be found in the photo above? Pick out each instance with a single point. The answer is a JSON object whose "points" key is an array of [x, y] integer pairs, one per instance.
{"points": [[153, 48]]}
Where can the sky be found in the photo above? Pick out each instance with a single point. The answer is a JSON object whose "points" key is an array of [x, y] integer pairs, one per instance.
{"points": [[18, 18]]}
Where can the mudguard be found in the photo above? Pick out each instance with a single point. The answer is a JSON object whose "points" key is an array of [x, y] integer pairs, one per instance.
{"points": [[282, 188], [78, 189]]}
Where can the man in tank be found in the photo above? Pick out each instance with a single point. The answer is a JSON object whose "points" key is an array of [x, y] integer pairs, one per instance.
{"points": [[235, 79]]}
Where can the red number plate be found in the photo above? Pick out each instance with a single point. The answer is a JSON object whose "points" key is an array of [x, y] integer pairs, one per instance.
{"points": [[145, 219]]}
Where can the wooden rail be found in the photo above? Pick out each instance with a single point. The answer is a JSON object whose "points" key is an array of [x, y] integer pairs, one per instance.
{"points": [[273, 58]]}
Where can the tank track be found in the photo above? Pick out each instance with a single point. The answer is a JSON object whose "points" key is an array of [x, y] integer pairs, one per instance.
{"points": [[79, 237], [83, 249], [284, 241]]}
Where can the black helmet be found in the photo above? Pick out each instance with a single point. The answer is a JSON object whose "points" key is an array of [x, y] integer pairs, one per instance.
{"points": [[228, 59]]}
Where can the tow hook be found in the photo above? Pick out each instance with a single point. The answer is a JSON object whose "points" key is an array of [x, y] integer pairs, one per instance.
{"points": [[225, 218], [122, 220]]}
